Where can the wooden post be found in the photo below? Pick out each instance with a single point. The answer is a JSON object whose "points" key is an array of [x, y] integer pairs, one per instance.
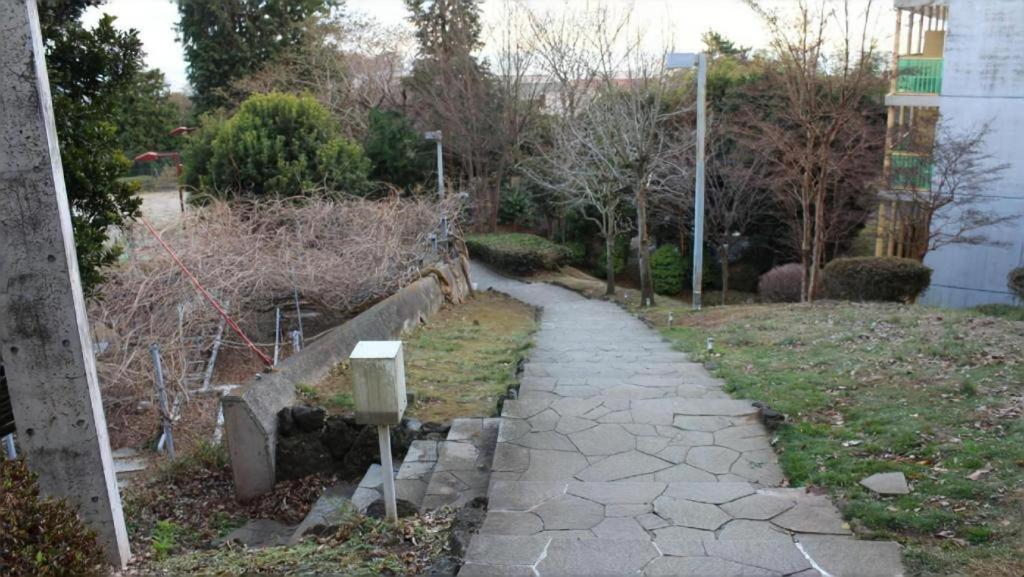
{"points": [[44, 337]]}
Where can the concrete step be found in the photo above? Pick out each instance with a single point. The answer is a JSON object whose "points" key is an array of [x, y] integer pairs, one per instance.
{"points": [[416, 470], [333, 508], [462, 471], [810, 556]]}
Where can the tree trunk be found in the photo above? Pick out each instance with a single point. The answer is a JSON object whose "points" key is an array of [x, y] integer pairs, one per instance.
{"points": [[609, 264], [818, 248], [723, 255], [646, 287], [805, 246]]}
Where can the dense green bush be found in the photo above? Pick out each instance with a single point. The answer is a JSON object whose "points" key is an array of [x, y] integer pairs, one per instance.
{"points": [[40, 536], [743, 277], [884, 278], [668, 269], [516, 206], [577, 252], [398, 152], [275, 145], [517, 253], [620, 249], [1015, 282], [781, 284]]}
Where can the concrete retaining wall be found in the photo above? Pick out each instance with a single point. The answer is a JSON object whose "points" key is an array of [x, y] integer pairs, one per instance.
{"points": [[250, 412]]}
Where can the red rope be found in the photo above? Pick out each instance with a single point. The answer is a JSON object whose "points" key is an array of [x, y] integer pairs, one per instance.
{"points": [[209, 298]]}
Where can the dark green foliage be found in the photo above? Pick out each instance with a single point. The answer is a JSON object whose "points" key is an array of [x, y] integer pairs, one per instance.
{"points": [[399, 153], [517, 207], [885, 278], [276, 145], [743, 277], [41, 536], [668, 268], [146, 115], [446, 28], [90, 71], [620, 250], [228, 39], [517, 253], [577, 251], [1015, 282], [781, 284]]}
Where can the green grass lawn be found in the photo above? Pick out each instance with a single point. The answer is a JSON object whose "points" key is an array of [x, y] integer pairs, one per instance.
{"points": [[457, 364], [868, 388]]}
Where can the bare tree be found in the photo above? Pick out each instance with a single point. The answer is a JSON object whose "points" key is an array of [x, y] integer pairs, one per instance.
{"points": [[350, 64], [735, 200], [817, 131], [953, 209], [574, 169]]}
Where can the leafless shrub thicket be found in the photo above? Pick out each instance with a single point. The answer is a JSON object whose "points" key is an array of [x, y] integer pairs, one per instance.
{"points": [[341, 256]]}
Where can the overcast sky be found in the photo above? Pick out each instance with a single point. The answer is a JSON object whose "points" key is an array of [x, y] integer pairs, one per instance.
{"points": [[675, 24]]}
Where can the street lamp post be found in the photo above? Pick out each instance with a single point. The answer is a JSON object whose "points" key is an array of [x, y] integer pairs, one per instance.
{"points": [[436, 137], [689, 60], [698, 202]]}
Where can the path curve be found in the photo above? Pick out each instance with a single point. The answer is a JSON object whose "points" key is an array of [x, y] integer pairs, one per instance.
{"points": [[624, 457]]}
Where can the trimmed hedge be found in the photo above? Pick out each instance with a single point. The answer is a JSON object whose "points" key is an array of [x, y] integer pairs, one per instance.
{"points": [[668, 269], [517, 253], [1015, 282], [781, 284], [886, 278]]}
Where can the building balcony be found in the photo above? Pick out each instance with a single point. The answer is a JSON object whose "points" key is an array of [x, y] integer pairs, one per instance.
{"points": [[909, 171], [919, 75]]}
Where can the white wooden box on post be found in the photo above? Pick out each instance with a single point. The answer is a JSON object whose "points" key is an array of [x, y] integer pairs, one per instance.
{"points": [[378, 375]]}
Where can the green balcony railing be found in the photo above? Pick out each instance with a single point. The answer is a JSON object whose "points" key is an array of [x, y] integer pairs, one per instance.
{"points": [[918, 75], [909, 171]]}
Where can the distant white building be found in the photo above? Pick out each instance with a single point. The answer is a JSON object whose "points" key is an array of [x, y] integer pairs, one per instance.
{"points": [[961, 61]]}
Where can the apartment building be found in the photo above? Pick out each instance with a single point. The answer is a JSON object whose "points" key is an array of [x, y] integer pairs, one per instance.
{"points": [[958, 62]]}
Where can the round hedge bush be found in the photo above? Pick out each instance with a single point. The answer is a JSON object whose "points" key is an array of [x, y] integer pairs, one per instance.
{"points": [[275, 145], [781, 284], [886, 278], [1015, 282], [667, 270]]}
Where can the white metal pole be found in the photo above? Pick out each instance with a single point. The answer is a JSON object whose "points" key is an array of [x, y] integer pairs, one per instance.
{"points": [[387, 472], [165, 412], [440, 191], [698, 204], [277, 335]]}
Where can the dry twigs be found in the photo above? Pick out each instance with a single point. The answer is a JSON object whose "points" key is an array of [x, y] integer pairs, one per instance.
{"points": [[341, 256]]}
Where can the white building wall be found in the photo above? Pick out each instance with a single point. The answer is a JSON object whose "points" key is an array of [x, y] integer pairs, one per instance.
{"points": [[983, 81]]}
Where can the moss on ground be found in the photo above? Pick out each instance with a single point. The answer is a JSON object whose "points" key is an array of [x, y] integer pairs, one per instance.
{"points": [[457, 364]]}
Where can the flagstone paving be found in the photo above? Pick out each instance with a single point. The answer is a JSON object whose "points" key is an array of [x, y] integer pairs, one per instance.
{"points": [[623, 457]]}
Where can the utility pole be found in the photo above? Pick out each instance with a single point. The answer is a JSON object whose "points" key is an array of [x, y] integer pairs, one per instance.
{"points": [[436, 136], [698, 203], [45, 340]]}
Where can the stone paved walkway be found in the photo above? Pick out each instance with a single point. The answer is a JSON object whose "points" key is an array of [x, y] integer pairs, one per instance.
{"points": [[622, 457]]}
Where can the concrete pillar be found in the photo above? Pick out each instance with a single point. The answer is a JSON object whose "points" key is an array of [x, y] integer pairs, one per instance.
{"points": [[44, 333]]}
